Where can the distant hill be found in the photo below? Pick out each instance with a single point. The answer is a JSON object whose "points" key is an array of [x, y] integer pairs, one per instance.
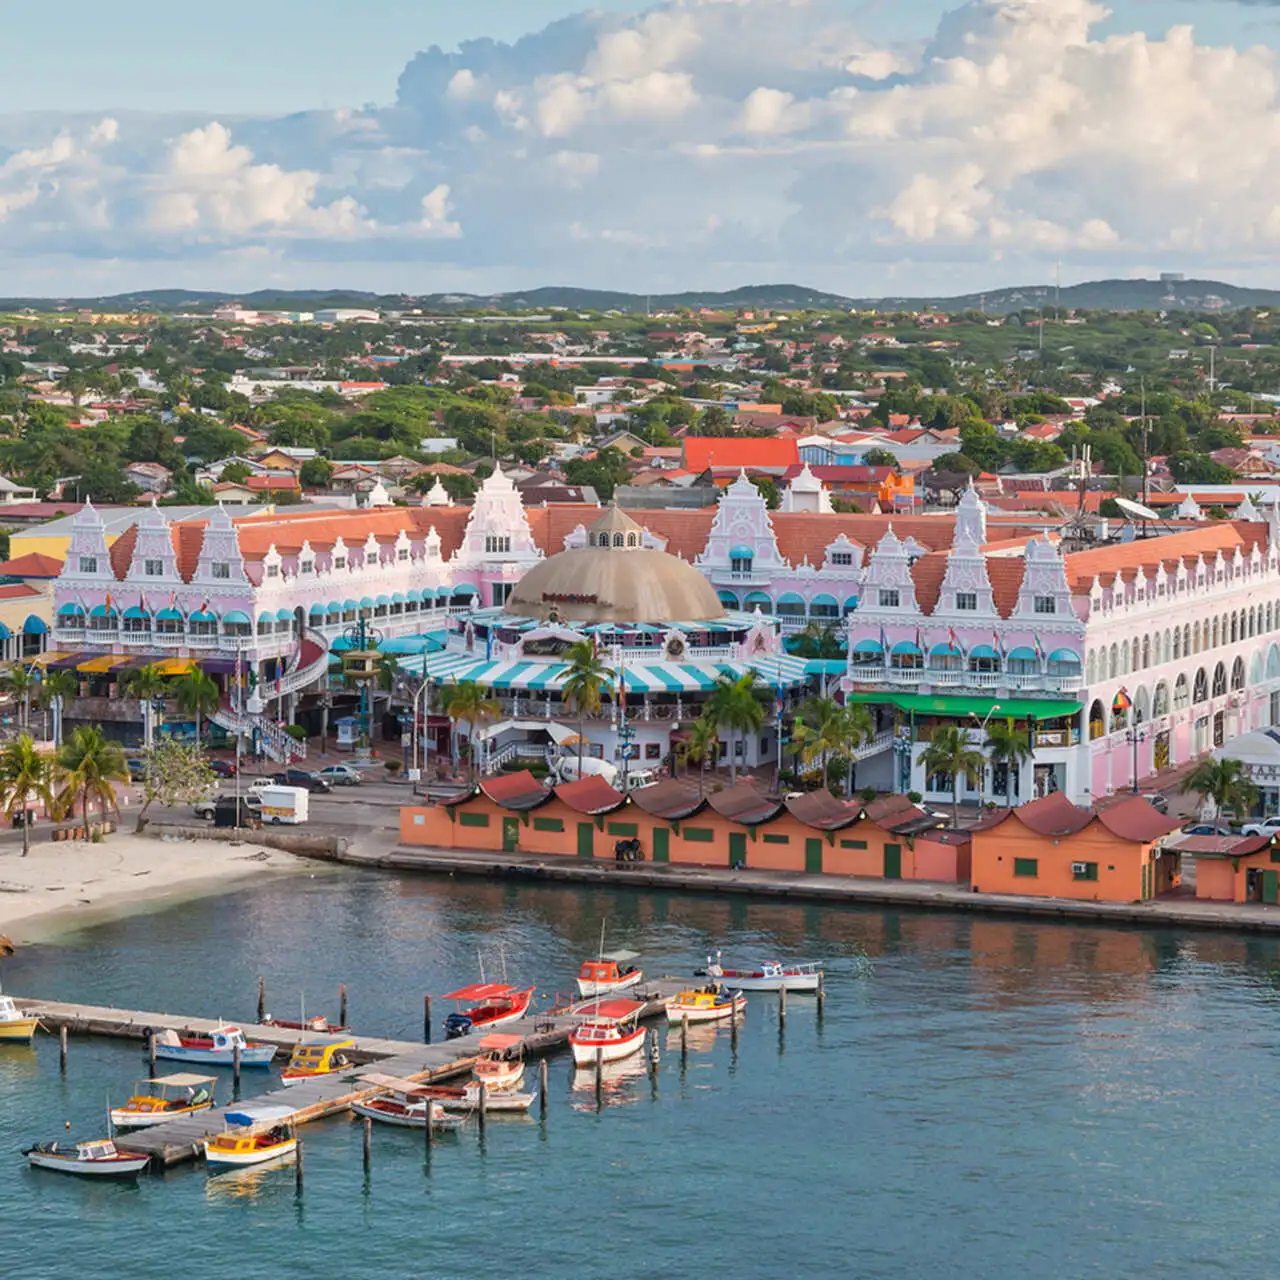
{"points": [[1099, 295]]}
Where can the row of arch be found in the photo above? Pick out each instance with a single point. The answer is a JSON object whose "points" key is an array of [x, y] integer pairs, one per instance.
{"points": [[790, 604], [1176, 643], [1184, 692]]}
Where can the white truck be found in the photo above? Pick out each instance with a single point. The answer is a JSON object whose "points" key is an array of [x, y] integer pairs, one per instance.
{"points": [[284, 804], [566, 770]]}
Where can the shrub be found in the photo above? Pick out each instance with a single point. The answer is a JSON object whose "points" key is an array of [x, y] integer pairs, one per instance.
{"points": [[296, 732], [392, 766], [914, 796], [867, 795]]}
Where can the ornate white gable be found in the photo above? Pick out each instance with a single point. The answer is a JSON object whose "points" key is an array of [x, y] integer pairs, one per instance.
{"points": [[888, 571], [497, 529], [220, 546], [1045, 575], [806, 493], [742, 521], [88, 559], [971, 517], [154, 544], [437, 496], [966, 573]]}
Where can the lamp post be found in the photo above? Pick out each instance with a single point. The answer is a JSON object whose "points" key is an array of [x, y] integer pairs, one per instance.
{"points": [[982, 773], [1135, 736]]}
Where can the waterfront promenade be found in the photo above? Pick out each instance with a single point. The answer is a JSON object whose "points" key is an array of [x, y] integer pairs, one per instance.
{"points": [[1181, 911]]}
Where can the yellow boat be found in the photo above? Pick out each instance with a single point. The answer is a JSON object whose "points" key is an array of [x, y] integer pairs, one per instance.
{"points": [[15, 1027], [708, 1004], [311, 1061], [165, 1098], [255, 1135]]}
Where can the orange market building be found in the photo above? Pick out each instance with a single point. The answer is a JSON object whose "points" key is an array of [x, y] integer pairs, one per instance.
{"points": [[1235, 868], [1051, 848], [736, 827]]}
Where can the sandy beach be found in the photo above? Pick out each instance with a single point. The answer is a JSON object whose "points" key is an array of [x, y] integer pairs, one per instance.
{"points": [[67, 885]]}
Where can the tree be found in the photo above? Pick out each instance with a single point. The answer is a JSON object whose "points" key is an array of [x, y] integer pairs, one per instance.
{"points": [[879, 458], [174, 774], [735, 705], [816, 733], [146, 684], [700, 746], [57, 689], [315, 473], [468, 703], [856, 728], [26, 775], [768, 491], [949, 752], [21, 681], [588, 681], [818, 640], [1010, 747], [197, 694], [1225, 783], [234, 473], [90, 765]]}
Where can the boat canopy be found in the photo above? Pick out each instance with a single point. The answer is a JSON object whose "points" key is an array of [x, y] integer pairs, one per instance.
{"points": [[263, 1114], [183, 1080], [497, 1040], [620, 957], [609, 1010], [480, 991]]}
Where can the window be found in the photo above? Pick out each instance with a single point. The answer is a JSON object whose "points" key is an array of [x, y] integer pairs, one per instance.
{"points": [[700, 835], [966, 600], [403, 554], [622, 829], [740, 564], [548, 824], [1083, 871], [768, 839], [339, 562], [88, 564], [842, 557], [153, 568], [474, 819], [889, 599], [1028, 867], [496, 544], [1046, 604], [273, 571], [221, 569], [853, 844], [653, 751], [307, 566]]}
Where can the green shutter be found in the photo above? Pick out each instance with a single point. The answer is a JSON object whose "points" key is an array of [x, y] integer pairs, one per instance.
{"points": [[813, 856], [853, 844], [623, 829], [768, 839], [548, 824], [893, 862], [1026, 867], [586, 840], [474, 819], [737, 848], [703, 835], [510, 835]]}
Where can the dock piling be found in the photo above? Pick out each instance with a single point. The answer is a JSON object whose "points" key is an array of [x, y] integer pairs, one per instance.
{"points": [[782, 1004], [426, 1019], [429, 1137], [151, 1051], [542, 1086], [822, 994], [684, 1039], [654, 1053], [342, 1004], [368, 1143], [262, 999], [235, 1067], [62, 1048], [733, 1033], [298, 1170], [484, 1104], [599, 1073]]}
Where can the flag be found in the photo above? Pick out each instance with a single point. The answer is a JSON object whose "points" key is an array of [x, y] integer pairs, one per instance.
{"points": [[622, 690], [995, 644], [884, 641], [279, 679], [954, 640], [919, 640], [1122, 701], [1039, 649]]}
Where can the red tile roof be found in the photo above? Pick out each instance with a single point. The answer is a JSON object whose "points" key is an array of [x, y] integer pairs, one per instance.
{"points": [[744, 804], [1124, 559], [34, 564], [701, 452], [515, 790], [591, 794]]}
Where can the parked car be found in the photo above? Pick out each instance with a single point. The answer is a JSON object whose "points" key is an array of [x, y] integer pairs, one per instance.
{"points": [[1159, 801], [223, 768], [302, 778], [137, 769], [341, 775], [1267, 827], [1204, 829], [207, 808]]}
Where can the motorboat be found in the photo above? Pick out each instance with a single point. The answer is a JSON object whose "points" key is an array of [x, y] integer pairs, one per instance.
{"points": [[497, 1071], [608, 976], [770, 976], [610, 1031], [467, 1097], [487, 1005], [217, 1049], [711, 1003], [16, 1027], [165, 1098], [98, 1159], [313, 1061], [319, 1025], [253, 1136], [404, 1104]]}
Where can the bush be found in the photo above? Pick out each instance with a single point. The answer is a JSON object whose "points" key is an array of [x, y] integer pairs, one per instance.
{"points": [[392, 766], [296, 732], [867, 795], [914, 796]]}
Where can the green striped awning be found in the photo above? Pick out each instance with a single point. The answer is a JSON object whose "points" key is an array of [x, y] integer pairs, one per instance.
{"points": [[951, 704]]}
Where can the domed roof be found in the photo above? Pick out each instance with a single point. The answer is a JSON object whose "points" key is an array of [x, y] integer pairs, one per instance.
{"points": [[610, 581]]}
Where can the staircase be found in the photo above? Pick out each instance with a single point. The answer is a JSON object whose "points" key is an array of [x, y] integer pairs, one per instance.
{"points": [[310, 664]]}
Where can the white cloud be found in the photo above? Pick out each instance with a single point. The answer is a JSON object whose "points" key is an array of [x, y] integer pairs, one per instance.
{"points": [[435, 221]]}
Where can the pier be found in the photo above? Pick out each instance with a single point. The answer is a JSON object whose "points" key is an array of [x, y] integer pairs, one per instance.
{"points": [[179, 1140]]}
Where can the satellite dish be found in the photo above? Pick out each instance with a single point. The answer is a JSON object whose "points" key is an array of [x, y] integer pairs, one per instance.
{"points": [[1136, 509]]}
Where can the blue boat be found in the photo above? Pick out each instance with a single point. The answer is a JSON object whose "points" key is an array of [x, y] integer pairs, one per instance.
{"points": [[217, 1049]]}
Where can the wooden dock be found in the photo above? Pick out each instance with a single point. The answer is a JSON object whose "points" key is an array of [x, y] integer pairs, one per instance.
{"points": [[182, 1139]]}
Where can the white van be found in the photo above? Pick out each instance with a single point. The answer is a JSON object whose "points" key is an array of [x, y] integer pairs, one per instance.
{"points": [[567, 770], [284, 804]]}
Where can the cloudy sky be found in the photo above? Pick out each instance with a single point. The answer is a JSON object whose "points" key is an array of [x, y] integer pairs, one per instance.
{"points": [[864, 146]]}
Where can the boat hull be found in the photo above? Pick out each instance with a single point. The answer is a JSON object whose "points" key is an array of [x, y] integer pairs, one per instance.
{"points": [[468, 1099], [123, 1167], [693, 1015], [586, 1053], [256, 1055], [217, 1159], [589, 988], [752, 982], [288, 1081], [403, 1117], [499, 1077], [125, 1119], [18, 1030]]}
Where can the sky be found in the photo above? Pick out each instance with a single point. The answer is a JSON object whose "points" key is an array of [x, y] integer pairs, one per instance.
{"points": [[868, 147]]}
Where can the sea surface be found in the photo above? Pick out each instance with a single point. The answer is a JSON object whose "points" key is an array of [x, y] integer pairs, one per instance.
{"points": [[983, 1097]]}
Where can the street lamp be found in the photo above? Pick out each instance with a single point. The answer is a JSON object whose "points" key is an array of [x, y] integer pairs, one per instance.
{"points": [[982, 773], [413, 749], [1135, 736]]}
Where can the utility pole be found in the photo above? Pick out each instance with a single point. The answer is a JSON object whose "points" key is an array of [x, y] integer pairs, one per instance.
{"points": [[1145, 465], [1213, 382]]}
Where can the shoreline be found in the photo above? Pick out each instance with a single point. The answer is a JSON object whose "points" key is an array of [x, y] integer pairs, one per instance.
{"points": [[798, 886], [61, 888]]}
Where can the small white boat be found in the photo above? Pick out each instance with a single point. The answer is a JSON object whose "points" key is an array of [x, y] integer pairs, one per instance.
{"points": [[404, 1103], [164, 1098], [609, 1033], [217, 1049], [98, 1159], [771, 976], [707, 1004], [256, 1135]]}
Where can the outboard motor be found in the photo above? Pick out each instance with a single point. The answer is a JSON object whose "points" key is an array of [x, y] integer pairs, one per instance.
{"points": [[455, 1025]]}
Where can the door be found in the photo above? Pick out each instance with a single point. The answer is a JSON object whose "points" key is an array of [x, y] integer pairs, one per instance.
{"points": [[738, 849], [813, 856], [1271, 887], [893, 862], [662, 844], [586, 840], [510, 835]]}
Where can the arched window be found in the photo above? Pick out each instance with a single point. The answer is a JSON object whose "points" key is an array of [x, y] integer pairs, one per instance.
{"points": [[1200, 693], [1160, 704], [1237, 674], [1215, 634], [631, 539], [1268, 617], [1097, 720], [1146, 652], [1186, 640], [1219, 680], [1141, 707], [1235, 627], [619, 540], [1177, 642], [1135, 663], [1115, 662], [1195, 637], [1155, 649], [1181, 693], [1091, 667]]}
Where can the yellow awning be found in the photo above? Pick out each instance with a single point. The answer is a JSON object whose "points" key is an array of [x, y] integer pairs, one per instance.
{"points": [[43, 659], [174, 666], [96, 666]]}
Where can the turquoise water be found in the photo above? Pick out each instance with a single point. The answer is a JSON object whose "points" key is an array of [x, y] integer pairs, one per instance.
{"points": [[983, 1097]]}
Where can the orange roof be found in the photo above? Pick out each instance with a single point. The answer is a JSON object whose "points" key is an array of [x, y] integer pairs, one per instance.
{"points": [[33, 565], [701, 452], [1124, 559]]}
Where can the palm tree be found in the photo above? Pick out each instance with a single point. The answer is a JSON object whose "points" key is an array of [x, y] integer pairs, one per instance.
{"points": [[816, 734], [1010, 747], [1225, 783], [817, 640], [146, 684], [588, 681], [26, 775], [950, 752], [735, 705], [701, 745], [56, 690], [197, 693], [470, 703], [856, 728], [91, 765], [21, 681]]}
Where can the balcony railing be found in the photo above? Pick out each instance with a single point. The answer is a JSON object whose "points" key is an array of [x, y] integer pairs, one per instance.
{"points": [[989, 680], [744, 577]]}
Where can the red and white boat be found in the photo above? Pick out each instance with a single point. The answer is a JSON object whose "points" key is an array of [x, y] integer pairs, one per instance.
{"points": [[772, 975], [319, 1025], [403, 1104], [98, 1159], [487, 1005], [608, 976], [608, 1033], [497, 1072]]}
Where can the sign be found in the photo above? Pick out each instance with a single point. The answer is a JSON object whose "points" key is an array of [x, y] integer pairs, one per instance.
{"points": [[560, 597], [545, 646]]}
